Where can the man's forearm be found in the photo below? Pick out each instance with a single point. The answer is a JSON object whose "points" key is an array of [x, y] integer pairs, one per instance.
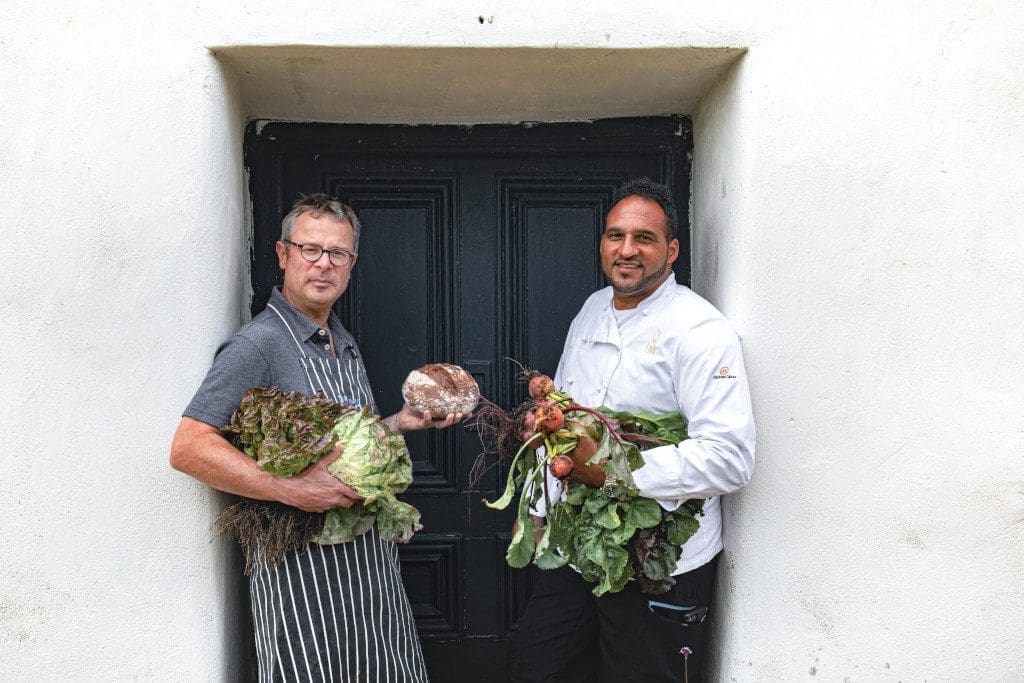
{"points": [[408, 420], [695, 468], [201, 452]]}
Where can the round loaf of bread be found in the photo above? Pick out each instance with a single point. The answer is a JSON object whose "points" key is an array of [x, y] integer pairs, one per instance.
{"points": [[442, 389]]}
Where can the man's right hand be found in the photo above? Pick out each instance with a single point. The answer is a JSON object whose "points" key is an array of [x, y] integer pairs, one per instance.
{"points": [[317, 490], [201, 451]]}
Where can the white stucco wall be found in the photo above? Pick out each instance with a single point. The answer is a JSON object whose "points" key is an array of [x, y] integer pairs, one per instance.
{"points": [[860, 221], [856, 213], [120, 157]]}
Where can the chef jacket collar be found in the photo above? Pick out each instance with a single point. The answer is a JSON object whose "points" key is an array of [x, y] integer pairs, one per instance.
{"points": [[649, 302], [607, 329]]}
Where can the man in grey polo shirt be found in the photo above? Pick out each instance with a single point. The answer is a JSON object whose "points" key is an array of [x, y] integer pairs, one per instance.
{"points": [[334, 611]]}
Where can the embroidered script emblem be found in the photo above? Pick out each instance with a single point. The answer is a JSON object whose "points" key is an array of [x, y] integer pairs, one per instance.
{"points": [[652, 345]]}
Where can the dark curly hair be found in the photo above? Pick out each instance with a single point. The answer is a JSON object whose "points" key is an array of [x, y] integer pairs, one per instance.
{"points": [[656, 192]]}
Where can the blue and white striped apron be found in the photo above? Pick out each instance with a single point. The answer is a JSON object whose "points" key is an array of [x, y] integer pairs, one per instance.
{"points": [[335, 612]]}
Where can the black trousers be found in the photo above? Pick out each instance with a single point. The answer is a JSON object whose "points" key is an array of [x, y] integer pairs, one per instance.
{"points": [[568, 635]]}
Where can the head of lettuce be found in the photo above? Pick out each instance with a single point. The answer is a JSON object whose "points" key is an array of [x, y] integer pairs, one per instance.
{"points": [[287, 432]]}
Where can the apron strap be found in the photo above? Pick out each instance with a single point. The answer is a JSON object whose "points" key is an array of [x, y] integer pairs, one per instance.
{"points": [[342, 385], [288, 327]]}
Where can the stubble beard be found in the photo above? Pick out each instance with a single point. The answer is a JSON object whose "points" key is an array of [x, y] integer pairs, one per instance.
{"points": [[640, 286]]}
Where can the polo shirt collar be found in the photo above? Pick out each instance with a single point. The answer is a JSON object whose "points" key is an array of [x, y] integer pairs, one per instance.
{"points": [[304, 328]]}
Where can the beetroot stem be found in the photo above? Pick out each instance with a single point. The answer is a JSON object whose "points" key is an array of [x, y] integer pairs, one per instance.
{"points": [[599, 415], [547, 496]]}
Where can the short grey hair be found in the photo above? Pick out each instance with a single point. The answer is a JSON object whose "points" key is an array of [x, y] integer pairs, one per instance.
{"points": [[318, 204]]}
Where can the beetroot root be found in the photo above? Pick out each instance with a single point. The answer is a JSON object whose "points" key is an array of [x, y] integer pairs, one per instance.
{"points": [[561, 466]]}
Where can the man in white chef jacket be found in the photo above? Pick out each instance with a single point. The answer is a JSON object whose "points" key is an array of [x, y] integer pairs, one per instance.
{"points": [[645, 344]]}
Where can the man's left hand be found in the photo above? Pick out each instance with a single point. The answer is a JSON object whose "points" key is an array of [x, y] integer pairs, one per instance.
{"points": [[591, 475], [408, 420]]}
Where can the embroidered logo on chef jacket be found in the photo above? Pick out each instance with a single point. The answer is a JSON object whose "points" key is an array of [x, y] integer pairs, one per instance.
{"points": [[723, 373], [652, 345]]}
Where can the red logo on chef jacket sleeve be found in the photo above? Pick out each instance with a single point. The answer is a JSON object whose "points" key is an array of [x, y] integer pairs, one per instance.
{"points": [[723, 373]]}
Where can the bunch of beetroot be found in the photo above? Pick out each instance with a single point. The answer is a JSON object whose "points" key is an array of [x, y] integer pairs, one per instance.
{"points": [[546, 420], [610, 534], [552, 420]]}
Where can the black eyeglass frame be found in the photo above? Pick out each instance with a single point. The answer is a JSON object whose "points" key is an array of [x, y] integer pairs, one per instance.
{"points": [[331, 253]]}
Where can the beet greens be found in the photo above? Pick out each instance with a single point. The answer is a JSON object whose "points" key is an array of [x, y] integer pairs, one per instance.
{"points": [[609, 534]]}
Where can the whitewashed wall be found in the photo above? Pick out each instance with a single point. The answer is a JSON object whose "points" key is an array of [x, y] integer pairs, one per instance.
{"points": [[860, 219], [856, 213]]}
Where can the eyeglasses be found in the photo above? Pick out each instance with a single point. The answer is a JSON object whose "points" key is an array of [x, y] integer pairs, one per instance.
{"points": [[313, 252]]}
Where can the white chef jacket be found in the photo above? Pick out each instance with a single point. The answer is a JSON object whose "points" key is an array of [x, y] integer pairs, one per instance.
{"points": [[676, 352]]}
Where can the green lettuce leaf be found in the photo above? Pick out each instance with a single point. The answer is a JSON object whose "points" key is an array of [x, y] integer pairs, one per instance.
{"points": [[396, 519], [287, 432], [345, 524], [376, 464]]}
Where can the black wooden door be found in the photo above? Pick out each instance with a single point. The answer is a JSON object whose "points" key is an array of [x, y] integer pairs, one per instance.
{"points": [[479, 244]]}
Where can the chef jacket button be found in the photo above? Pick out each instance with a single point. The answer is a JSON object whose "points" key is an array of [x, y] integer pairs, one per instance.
{"points": [[321, 333]]}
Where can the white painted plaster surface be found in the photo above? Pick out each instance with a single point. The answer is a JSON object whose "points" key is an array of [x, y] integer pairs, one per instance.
{"points": [[857, 213], [859, 219], [471, 85]]}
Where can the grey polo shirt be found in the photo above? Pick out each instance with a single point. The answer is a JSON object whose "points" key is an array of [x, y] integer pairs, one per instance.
{"points": [[281, 348]]}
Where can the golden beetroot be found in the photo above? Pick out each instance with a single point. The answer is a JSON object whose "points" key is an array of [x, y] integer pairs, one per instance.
{"points": [[548, 419], [540, 386], [561, 466]]}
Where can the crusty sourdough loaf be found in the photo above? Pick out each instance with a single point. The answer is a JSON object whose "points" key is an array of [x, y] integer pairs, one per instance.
{"points": [[441, 388]]}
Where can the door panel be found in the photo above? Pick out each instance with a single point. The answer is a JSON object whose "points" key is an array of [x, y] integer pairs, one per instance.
{"points": [[479, 244], [549, 266], [399, 303]]}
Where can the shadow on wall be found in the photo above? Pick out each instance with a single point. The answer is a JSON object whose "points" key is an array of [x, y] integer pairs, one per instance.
{"points": [[240, 660], [469, 85]]}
